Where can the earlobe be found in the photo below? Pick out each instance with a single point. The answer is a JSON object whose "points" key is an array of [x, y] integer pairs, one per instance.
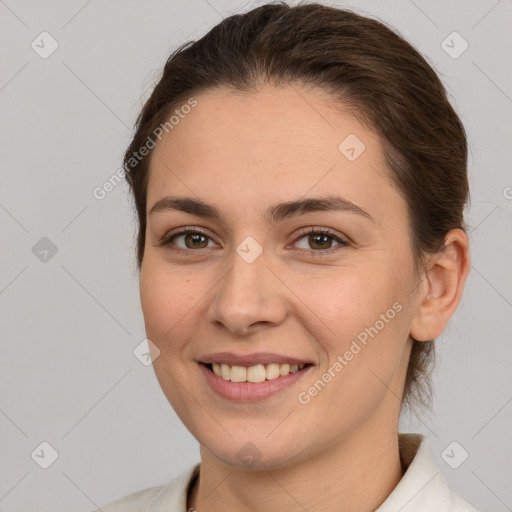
{"points": [[445, 276]]}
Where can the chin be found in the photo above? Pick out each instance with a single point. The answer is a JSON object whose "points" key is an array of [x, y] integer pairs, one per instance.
{"points": [[253, 456], [252, 449]]}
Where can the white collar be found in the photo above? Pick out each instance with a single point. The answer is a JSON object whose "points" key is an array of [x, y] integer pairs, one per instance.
{"points": [[422, 485]]}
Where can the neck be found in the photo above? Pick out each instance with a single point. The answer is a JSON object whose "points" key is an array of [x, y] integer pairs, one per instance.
{"points": [[356, 474]]}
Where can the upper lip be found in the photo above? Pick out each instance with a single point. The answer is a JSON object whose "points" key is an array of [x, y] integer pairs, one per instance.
{"points": [[250, 359]]}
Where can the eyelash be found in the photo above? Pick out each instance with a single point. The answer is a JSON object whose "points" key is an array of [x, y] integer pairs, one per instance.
{"points": [[166, 240]]}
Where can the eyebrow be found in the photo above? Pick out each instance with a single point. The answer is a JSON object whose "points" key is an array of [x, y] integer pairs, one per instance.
{"points": [[273, 214]]}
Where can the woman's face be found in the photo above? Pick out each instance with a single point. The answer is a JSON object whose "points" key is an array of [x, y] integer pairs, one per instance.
{"points": [[255, 288]]}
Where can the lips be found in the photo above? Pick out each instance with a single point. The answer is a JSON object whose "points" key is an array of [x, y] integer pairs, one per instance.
{"points": [[250, 391], [250, 377], [248, 360]]}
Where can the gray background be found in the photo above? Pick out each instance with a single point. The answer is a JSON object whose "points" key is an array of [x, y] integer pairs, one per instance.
{"points": [[70, 323]]}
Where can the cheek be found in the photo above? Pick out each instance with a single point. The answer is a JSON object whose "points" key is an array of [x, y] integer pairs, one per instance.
{"points": [[365, 324], [352, 301], [168, 304], [169, 307]]}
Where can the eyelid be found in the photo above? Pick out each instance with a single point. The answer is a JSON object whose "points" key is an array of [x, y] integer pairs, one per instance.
{"points": [[343, 243], [342, 240], [168, 237]]}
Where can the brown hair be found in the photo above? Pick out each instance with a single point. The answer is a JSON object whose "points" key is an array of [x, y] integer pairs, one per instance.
{"points": [[364, 65]]}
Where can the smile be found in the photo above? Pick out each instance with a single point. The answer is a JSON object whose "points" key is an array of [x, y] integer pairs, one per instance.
{"points": [[251, 383], [256, 373]]}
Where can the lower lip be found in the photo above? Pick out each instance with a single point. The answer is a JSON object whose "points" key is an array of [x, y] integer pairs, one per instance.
{"points": [[250, 391]]}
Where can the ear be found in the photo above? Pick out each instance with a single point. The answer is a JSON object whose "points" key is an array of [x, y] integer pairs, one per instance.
{"points": [[445, 276]]}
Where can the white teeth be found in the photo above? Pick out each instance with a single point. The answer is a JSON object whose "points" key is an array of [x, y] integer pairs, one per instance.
{"points": [[256, 373], [225, 371], [216, 369], [238, 374], [272, 371]]}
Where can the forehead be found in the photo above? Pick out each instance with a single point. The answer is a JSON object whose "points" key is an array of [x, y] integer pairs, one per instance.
{"points": [[267, 146]]}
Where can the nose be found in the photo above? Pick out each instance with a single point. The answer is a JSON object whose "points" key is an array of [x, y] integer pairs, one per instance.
{"points": [[249, 298]]}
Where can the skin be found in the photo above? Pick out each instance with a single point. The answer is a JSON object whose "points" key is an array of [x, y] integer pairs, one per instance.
{"points": [[244, 153]]}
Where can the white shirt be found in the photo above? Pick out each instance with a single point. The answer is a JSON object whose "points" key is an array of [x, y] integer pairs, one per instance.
{"points": [[421, 489]]}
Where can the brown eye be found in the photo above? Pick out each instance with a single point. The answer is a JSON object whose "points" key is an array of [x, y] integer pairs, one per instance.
{"points": [[189, 239], [195, 240], [320, 241]]}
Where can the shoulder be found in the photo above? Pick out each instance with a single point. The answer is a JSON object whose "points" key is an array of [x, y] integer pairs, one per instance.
{"points": [[457, 504], [171, 497], [135, 502]]}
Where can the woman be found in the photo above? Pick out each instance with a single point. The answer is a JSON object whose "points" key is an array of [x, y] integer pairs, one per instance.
{"points": [[299, 178]]}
